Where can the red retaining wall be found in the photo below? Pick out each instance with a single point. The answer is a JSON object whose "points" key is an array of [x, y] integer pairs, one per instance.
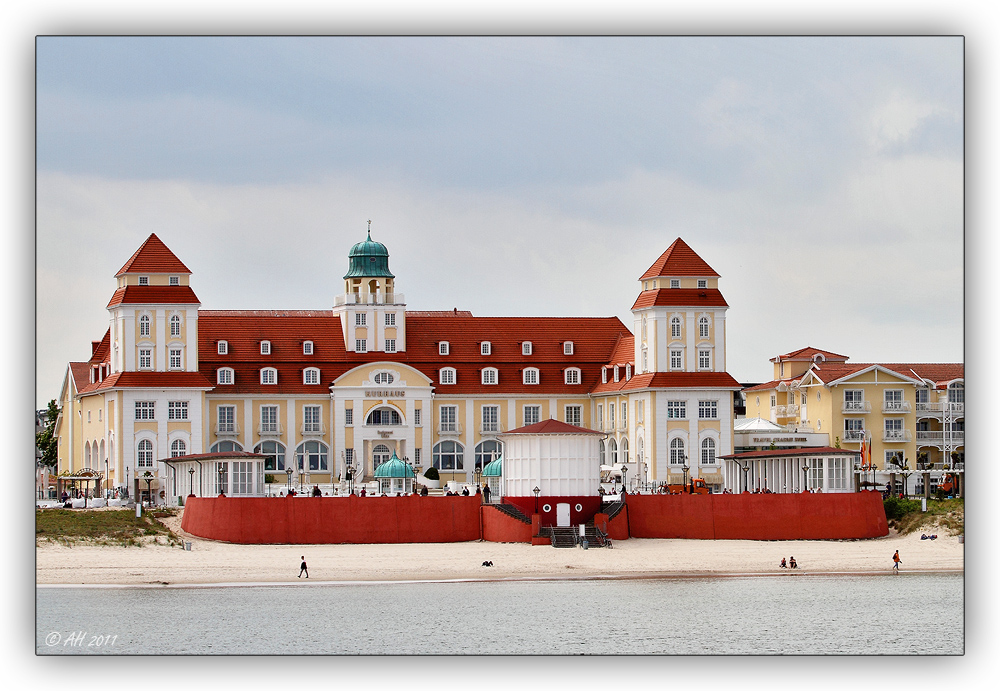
{"points": [[319, 520], [500, 527], [754, 516], [588, 507]]}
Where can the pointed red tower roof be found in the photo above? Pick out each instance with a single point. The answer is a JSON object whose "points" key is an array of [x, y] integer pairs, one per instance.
{"points": [[679, 260], [155, 258]]}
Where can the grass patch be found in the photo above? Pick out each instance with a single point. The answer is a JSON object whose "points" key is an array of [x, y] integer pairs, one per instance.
{"points": [[947, 515], [120, 528]]}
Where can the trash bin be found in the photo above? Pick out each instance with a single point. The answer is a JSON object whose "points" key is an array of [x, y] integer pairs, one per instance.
{"points": [[584, 543], [961, 539], [187, 546]]}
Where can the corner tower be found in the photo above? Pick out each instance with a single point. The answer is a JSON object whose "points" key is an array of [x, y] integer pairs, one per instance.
{"points": [[372, 313]]}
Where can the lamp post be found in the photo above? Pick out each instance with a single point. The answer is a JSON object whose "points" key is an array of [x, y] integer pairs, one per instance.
{"points": [[191, 475], [536, 491], [478, 474], [222, 474], [288, 472], [684, 469], [905, 471], [107, 474], [624, 477], [805, 477], [148, 476], [744, 464]]}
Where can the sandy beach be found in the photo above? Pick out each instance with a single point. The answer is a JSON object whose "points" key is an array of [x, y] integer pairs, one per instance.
{"points": [[211, 562]]}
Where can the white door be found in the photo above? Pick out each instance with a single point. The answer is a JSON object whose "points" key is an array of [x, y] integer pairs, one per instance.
{"points": [[562, 515]]}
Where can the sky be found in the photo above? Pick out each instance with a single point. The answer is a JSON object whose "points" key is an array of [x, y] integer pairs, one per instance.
{"points": [[821, 177]]}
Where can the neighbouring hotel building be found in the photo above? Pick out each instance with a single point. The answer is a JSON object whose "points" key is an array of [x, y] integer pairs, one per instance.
{"points": [[913, 414], [325, 392]]}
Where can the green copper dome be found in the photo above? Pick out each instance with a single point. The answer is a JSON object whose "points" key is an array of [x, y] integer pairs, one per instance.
{"points": [[494, 468], [394, 468], [369, 259]]}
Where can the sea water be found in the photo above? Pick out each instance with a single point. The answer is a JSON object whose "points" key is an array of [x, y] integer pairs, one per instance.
{"points": [[857, 614]]}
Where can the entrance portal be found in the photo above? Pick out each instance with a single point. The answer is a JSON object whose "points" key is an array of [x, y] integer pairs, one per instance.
{"points": [[562, 515]]}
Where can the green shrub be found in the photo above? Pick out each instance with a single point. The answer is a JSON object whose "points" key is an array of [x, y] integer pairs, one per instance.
{"points": [[432, 474], [896, 508]]}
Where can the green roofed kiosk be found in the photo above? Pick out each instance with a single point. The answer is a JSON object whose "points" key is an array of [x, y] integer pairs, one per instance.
{"points": [[395, 476], [493, 477]]}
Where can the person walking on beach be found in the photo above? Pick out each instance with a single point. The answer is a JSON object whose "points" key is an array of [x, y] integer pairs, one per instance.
{"points": [[896, 561], [303, 569]]}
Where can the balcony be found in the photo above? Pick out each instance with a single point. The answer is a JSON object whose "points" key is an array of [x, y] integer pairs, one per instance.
{"points": [[369, 299], [450, 429], [854, 435], [938, 409], [788, 410], [856, 407], [227, 429], [313, 429], [491, 428], [896, 436], [270, 429], [937, 438], [896, 406]]}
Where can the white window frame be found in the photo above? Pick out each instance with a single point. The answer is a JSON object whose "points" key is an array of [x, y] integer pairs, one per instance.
{"points": [[448, 418], [567, 347], [676, 359], [348, 417], [677, 451], [708, 410], [707, 452], [174, 280], [705, 359], [893, 399], [268, 376], [224, 375], [572, 375], [444, 348], [490, 376], [175, 326], [490, 415], [704, 327], [145, 410], [307, 347], [144, 280], [315, 424], [144, 454], [390, 318], [529, 376], [225, 418], [624, 415], [390, 345], [525, 347], [675, 283], [447, 375], [417, 417], [677, 410], [383, 378], [532, 418], [144, 325], [485, 348], [178, 448], [177, 410], [265, 347], [573, 415], [676, 327], [145, 358], [222, 348], [269, 419], [702, 283], [361, 345], [310, 375], [175, 358], [361, 319], [616, 373]]}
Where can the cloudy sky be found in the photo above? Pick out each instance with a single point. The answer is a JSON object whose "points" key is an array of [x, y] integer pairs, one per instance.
{"points": [[821, 177]]}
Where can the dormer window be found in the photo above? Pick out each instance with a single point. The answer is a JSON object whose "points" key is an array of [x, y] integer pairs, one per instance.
{"points": [[616, 372], [489, 375], [702, 283], [223, 348], [572, 375], [144, 280], [265, 347], [526, 348], [310, 375], [446, 375], [175, 280], [443, 348], [224, 375], [530, 375], [604, 375], [269, 375], [628, 372], [675, 283], [567, 347], [307, 348], [485, 348]]}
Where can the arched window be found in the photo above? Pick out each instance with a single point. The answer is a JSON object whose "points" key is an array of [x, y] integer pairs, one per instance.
{"points": [[675, 327], [144, 325], [489, 375], [485, 451], [530, 375], [275, 453], [86, 456], [703, 327], [310, 375], [380, 454], [315, 452], [224, 375], [384, 416], [269, 375], [638, 450], [144, 459], [956, 392], [178, 448], [225, 447], [601, 453], [613, 451], [708, 451], [383, 378], [676, 451], [624, 450], [175, 325], [102, 457], [448, 455], [572, 375]]}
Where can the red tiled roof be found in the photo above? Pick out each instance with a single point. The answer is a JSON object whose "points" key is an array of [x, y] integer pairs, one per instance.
{"points": [[155, 258], [147, 380], [808, 353], [679, 260], [624, 352], [439, 313], [552, 426], [155, 295], [769, 385], [212, 456], [939, 373], [680, 297], [801, 451], [671, 380]]}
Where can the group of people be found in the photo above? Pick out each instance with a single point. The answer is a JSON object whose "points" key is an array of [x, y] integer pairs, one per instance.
{"points": [[928, 537], [790, 564]]}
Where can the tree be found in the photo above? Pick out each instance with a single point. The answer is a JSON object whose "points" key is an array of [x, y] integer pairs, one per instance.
{"points": [[46, 440]]}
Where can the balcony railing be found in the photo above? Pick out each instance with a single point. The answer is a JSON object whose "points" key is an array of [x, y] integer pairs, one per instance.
{"points": [[895, 406], [227, 429], [937, 437], [857, 407], [939, 408], [452, 428], [491, 428], [896, 435], [369, 299], [788, 410], [854, 435], [274, 429], [313, 429]]}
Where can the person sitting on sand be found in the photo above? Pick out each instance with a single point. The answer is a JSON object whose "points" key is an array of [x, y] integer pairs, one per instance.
{"points": [[783, 564], [792, 563]]}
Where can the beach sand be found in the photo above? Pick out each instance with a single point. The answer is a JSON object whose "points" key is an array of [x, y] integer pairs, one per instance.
{"points": [[218, 562]]}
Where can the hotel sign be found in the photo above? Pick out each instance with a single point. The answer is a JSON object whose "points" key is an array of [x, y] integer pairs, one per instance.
{"points": [[399, 393], [779, 440]]}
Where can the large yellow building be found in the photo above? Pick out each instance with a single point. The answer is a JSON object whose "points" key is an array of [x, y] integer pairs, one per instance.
{"points": [[326, 392], [913, 414]]}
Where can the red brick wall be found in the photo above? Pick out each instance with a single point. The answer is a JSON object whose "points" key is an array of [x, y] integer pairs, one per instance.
{"points": [[499, 527], [318, 520], [754, 516]]}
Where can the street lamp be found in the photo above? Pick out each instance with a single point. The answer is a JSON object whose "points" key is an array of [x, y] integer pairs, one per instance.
{"points": [[288, 472], [478, 474], [536, 492], [222, 474], [805, 477], [107, 475], [191, 475], [148, 476], [624, 477], [685, 469], [744, 464]]}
